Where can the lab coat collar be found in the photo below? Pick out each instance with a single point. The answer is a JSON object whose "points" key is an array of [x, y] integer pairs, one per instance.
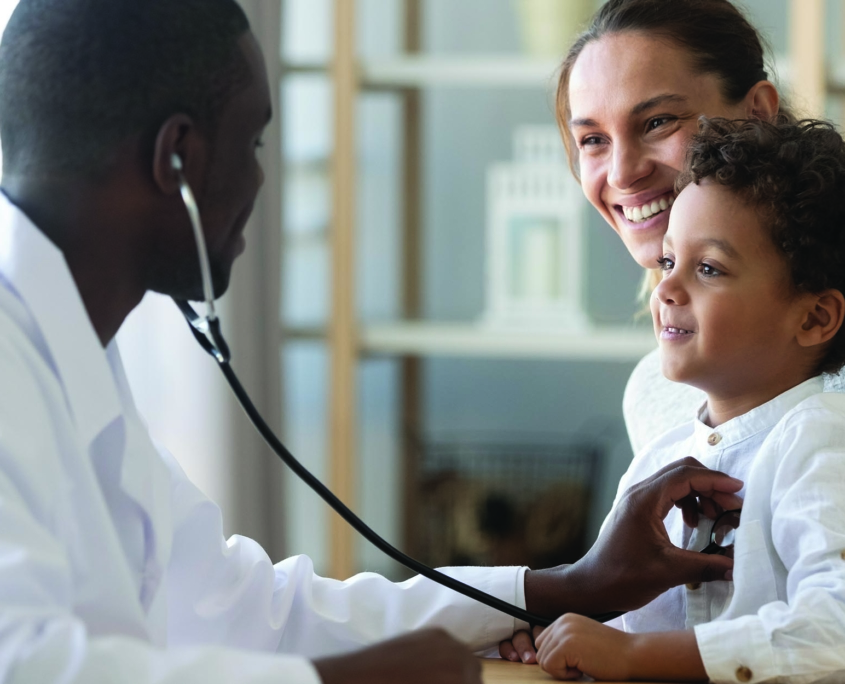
{"points": [[37, 269], [763, 417]]}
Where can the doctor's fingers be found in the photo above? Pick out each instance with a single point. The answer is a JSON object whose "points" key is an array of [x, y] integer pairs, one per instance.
{"points": [[682, 479], [692, 567]]}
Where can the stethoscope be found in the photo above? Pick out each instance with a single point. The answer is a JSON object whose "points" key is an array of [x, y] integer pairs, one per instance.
{"points": [[206, 330]]}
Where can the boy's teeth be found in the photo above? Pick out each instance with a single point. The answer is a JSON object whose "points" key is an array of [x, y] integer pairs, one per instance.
{"points": [[646, 211]]}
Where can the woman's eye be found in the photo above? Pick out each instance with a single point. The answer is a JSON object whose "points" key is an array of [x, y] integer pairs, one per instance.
{"points": [[666, 264], [657, 122], [591, 141]]}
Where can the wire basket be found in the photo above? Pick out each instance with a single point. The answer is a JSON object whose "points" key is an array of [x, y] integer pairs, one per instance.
{"points": [[501, 502]]}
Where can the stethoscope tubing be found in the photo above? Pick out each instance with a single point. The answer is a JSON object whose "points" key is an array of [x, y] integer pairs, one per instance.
{"points": [[208, 333]]}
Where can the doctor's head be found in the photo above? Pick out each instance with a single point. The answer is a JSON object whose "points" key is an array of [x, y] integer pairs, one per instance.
{"points": [[106, 91]]}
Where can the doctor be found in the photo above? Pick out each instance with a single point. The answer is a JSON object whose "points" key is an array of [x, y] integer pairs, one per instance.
{"points": [[113, 566]]}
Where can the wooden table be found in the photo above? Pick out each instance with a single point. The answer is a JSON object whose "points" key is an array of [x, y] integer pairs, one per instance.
{"points": [[505, 672]]}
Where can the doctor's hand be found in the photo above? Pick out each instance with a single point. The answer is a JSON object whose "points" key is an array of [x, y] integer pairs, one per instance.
{"points": [[417, 658], [634, 561]]}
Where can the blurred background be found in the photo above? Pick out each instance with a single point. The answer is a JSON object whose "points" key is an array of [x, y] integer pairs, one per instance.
{"points": [[427, 311]]}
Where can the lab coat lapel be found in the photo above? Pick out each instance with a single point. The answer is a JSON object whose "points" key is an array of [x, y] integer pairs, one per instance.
{"points": [[93, 382], [37, 269], [146, 479]]}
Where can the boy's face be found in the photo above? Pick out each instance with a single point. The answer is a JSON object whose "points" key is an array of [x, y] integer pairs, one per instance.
{"points": [[724, 313]]}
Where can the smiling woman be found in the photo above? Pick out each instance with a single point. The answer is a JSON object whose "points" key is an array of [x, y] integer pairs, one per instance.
{"points": [[631, 92], [630, 95]]}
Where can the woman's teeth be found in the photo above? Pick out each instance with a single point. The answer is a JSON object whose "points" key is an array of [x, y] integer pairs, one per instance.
{"points": [[646, 211], [679, 331]]}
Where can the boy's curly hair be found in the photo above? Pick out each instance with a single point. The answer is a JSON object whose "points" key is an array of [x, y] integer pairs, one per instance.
{"points": [[794, 173]]}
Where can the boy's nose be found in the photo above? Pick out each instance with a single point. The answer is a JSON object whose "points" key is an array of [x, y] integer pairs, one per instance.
{"points": [[670, 292]]}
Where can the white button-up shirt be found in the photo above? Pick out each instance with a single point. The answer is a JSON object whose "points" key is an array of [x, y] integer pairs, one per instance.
{"points": [[783, 616], [113, 566]]}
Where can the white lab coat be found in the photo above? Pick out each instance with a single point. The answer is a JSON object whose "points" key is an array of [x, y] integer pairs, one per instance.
{"points": [[113, 565]]}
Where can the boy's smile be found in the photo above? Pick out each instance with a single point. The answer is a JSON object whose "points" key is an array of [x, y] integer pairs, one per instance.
{"points": [[726, 314]]}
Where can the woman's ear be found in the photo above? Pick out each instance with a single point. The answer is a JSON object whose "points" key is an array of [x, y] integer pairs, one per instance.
{"points": [[177, 137], [823, 318], [762, 101]]}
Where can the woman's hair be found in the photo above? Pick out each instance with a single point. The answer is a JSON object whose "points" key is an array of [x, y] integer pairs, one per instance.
{"points": [[716, 34], [793, 173]]}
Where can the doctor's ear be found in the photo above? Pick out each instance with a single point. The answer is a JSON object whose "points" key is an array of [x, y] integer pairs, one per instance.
{"points": [[823, 318], [179, 149]]}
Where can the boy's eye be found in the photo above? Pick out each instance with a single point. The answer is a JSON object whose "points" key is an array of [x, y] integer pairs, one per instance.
{"points": [[666, 263], [708, 270]]}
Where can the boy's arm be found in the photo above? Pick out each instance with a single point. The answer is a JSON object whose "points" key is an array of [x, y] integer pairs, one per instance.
{"points": [[575, 645]]}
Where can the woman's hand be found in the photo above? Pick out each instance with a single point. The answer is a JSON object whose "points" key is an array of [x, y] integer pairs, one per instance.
{"points": [[574, 646]]}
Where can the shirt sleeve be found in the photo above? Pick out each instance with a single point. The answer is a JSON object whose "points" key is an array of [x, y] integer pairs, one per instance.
{"points": [[799, 639], [229, 592], [50, 631]]}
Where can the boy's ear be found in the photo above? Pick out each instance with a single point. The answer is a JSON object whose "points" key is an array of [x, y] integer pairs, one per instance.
{"points": [[824, 317]]}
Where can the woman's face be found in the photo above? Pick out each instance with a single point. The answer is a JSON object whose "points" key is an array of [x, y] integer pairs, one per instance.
{"points": [[635, 101]]}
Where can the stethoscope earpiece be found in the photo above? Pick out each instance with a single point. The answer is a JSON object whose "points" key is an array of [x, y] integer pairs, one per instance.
{"points": [[199, 237]]}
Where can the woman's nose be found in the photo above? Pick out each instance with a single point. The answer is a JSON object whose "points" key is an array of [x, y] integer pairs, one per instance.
{"points": [[628, 165]]}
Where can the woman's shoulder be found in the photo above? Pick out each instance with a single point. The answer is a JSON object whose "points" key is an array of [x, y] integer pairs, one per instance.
{"points": [[653, 405]]}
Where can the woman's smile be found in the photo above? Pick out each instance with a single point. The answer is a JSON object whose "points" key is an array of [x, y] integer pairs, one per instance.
{"points": [[635, 101]]}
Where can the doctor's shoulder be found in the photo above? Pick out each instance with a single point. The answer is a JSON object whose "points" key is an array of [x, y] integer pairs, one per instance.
{"points": [[34, 419]]}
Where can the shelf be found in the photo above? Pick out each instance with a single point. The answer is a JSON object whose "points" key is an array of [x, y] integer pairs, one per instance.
{"points": [[494, 71], [618, 343], [500, 71], [422, 72]]}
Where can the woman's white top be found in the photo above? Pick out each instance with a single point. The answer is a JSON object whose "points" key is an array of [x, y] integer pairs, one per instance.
{"points": [[783, 616], [113, 565], [653, 405]]}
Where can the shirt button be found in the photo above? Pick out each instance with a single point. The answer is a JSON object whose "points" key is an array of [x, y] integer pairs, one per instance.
{"points": [[714, 439], [743, 674], [694, 586]]}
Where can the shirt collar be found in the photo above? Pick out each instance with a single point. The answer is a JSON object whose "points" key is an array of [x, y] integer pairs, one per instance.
{"points": [[37, 269], [764, 417]]}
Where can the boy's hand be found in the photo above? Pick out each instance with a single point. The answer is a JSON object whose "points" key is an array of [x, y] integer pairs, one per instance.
{"points": [[634, 561], [574, 646]]}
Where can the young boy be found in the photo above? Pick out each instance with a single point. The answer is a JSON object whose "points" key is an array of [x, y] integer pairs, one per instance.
{"points": [[750, 310]]}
